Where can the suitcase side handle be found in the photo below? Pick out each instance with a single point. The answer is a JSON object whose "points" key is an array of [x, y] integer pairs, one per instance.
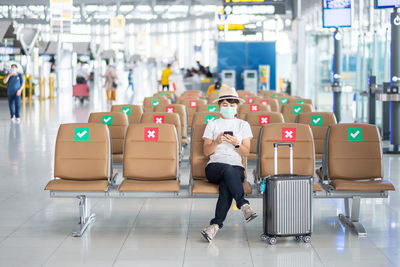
{"points": [[276, 145]]}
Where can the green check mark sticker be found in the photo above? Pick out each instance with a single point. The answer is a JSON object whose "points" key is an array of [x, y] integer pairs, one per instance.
{"points": [[284, 100], [163, 95], [297, 109], [274, 95], [209, 118], [155, 103], [300, 101], [81, 134], [126, 110], [212, 108], [316, 120], [354, 134], [107, 120]]}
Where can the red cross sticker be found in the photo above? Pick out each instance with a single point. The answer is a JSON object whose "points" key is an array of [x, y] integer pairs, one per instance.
{"points": [[289, 134], [254, 107], [246, 95], [263, 120], [193, 104], [250, 100], [170, 109], [264, 102], [150, 134], [159, 119]]}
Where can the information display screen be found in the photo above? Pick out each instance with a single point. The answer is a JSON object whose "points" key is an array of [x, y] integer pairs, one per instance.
{"points": [[387, 3], [336, 13]]}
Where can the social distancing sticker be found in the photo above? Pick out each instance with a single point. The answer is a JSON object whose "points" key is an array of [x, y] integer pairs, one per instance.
{"points": [[316, 120], [170, 109], [81, 134], [209, 118], [107, 119], [212, 108], [300, 102], [262, 119], [284, 100], [250, 100], [193, 104], [264, 102], [354, 134], [274, 95], [297, 110], [126, 110], [150, 134], [155, 103], [254, 107], [288, 134], [159, 119]]}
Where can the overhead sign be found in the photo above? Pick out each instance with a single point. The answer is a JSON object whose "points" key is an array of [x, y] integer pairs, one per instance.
{"points": [[252, 2], [337, 13], [231, 27], [272, 6], [61, 15]]}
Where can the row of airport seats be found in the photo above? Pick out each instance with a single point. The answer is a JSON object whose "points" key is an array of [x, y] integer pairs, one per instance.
{"points": [[83, 160]]}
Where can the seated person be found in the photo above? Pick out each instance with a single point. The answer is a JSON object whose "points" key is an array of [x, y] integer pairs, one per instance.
{"points": [[226, 140]]}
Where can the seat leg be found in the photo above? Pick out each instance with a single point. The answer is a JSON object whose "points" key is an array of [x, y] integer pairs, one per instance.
{"points": [[352, 216], [85, 216]]}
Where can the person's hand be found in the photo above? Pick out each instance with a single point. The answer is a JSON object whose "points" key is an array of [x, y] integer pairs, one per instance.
{"points": [[220, 138], [19, 92], [231, 139]]}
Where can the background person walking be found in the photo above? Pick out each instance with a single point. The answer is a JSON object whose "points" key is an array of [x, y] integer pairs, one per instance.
{"points": [[15, 83]]}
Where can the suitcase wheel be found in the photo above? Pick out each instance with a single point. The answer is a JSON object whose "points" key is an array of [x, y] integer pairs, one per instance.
{"points": [[306, 239], [298, 238], [263, 237], [271, 240]]}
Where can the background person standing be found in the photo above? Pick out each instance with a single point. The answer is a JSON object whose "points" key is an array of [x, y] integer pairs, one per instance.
{"points": [[15, 83], [165, 77]]}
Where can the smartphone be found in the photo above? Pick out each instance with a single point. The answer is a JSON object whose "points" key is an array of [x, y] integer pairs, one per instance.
{"points": [[229, 132]]}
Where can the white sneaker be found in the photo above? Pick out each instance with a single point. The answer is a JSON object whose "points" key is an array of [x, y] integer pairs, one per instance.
{"points": [[12, 119], [248, 212], [210, 231], [18, 120]]}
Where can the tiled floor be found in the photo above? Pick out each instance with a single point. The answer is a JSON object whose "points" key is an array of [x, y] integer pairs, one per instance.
{"points": [[35, 229]]}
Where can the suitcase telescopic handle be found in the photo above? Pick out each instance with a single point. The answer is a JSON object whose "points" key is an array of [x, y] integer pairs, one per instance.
{"points": [[276, 145]]}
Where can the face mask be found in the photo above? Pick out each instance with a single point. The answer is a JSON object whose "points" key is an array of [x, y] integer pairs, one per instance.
{"points": [[13, 70], [228, 112]]}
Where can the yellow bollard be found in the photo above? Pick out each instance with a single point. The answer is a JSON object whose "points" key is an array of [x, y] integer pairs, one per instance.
{"points": [[24, 92], [30, 88]]}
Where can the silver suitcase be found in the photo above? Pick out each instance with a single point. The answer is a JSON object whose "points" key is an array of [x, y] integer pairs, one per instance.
{"points": [[287, 203]]}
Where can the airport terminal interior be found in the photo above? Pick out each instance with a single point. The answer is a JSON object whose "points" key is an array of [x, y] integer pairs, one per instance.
{"points": [[103, 108]]}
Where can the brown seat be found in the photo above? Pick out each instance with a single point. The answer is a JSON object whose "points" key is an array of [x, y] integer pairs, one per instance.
{"points": [[169, 94], [244, 109], [352, 158], [150, 102], [118, 125], [256, 120], [82, 159], [134, 112], [191, 106], [270, 93], [164, 117], [151, 158], [290, 111], [208, 108], [181, 111], [271, 102], [211, 97], [300, 101], [204, 117], [244, 93], [319, 123], [198, 162], [303, 149], [196, 93]]}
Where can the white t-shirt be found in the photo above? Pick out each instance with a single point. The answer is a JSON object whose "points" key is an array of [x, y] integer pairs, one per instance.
{"points": [[226, 152]]}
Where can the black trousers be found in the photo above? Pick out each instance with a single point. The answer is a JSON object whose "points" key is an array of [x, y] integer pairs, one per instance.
{"points": [[166, 87], [230, 179]]}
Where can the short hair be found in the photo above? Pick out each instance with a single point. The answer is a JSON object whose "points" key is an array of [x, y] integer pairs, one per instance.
{"points": [[168, 65], [14, 65]]}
